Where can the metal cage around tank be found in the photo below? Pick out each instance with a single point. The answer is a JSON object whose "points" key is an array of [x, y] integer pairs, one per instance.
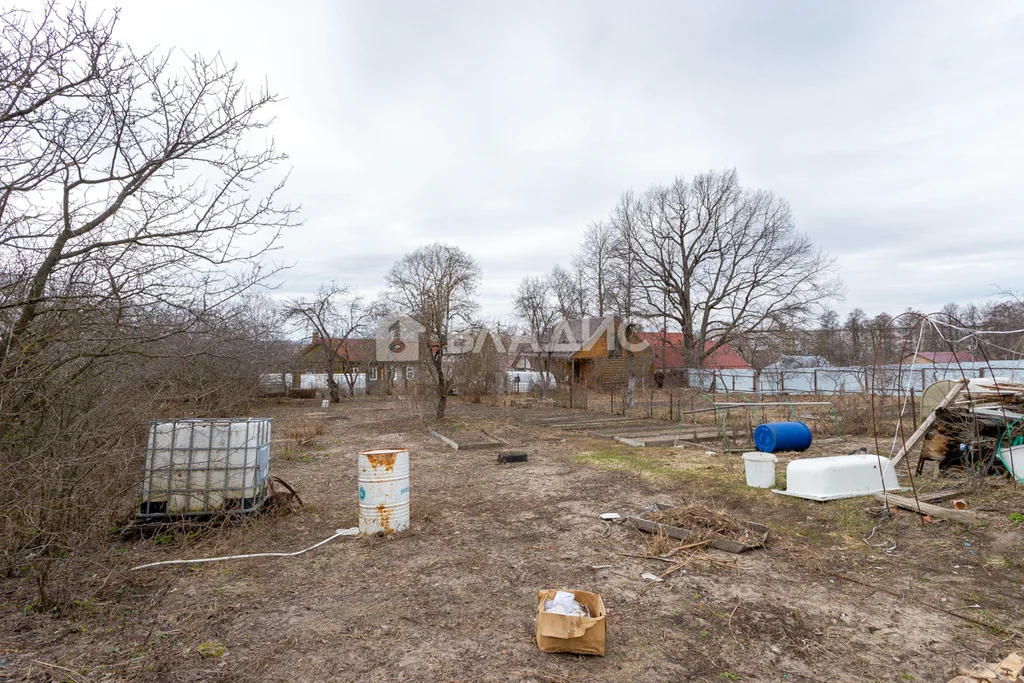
{"points": [[205, 467]]}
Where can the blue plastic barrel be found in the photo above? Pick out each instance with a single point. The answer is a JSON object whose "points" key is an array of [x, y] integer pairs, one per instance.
{"points": [[782, 436]]}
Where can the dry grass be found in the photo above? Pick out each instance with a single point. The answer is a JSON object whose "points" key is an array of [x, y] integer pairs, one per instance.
{"points": [[702, 520], [660, 544], [304, 433]]}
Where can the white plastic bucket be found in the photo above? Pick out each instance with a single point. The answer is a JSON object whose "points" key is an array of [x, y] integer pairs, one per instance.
{"points": [[760, 469], [384, 490]]}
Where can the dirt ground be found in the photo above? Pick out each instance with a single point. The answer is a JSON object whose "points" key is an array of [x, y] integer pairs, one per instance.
{"points": [[838, 594]]}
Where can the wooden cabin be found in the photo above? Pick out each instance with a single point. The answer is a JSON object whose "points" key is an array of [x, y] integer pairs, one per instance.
{"points": [[359, 357], [589, 352]]}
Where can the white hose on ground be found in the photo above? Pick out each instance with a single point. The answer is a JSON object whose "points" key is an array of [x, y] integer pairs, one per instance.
{"points": [[352, 531]]}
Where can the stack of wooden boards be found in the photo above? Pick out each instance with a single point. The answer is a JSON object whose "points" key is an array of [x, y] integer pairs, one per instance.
{"points": [[970, 425]]}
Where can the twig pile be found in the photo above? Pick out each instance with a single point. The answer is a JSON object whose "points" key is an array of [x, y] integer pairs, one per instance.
{"points": [[704, 522]]}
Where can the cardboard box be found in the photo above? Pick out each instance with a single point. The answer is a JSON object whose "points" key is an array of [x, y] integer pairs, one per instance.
{"points": [[561, 633]]}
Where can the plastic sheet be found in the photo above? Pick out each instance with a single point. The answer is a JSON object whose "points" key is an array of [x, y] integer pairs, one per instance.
{"points": [[565, 603]]}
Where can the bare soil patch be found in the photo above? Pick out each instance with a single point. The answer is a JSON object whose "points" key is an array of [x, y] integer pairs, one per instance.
{"points": [[838, 594]]}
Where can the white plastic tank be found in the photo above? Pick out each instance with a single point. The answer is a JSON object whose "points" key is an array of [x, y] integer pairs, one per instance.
{"points": [[384, 490], [205, 465]]}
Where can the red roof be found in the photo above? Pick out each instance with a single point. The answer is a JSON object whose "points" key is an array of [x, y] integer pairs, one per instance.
{"points": [[723, 358], [946, 357], [352, 350]]}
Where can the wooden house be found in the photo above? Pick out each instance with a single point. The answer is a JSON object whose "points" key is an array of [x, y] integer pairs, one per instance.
{"points": [[589, 352], [355, 357]]}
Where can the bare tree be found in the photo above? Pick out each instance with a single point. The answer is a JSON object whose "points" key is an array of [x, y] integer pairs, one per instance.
{"points": [[334, 316], [624, 294], [436, 286], [534, 305], [570, 291], [719, 260], [828, 341], [855, 327], [135, 208], [596, 260], [883, 339], [126, 176]]}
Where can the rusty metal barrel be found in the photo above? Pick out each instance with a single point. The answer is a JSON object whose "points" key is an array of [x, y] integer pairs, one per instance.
{"points": [[384, 490]]}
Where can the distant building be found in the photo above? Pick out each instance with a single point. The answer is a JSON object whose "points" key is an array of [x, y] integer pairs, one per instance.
{"points": [[587, 351], [356, 357], [669, 360], [938, 358]]}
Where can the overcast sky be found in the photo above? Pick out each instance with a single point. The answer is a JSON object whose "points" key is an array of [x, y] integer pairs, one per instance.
{"points": [[894, 129]]}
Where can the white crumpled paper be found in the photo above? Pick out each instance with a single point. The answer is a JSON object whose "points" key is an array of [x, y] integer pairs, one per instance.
{"points": [[565, 603]]}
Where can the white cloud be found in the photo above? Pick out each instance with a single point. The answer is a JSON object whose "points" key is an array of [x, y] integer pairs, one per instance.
{"points": [[892, 129]]}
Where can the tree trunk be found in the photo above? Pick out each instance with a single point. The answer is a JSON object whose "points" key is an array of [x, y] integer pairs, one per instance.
{"points": [[332, 384], [442, 384], [544, 380], [631, 378]]}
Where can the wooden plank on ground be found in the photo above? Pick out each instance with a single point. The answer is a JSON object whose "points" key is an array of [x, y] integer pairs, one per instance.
{"points": [[492, 437], [927, 424], [671, 440], [480, 446], [444, 438], [727, 544], [598, 424], [629, 427], [468, 444], [656, 528], [936, 496], [648, 433], [962, 516]]}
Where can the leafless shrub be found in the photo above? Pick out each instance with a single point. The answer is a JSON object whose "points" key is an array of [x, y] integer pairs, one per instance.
{"points": [[129, 233], [304, 433]]}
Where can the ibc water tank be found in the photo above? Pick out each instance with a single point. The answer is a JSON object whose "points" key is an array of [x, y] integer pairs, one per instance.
{"points": [[202, 466]]}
